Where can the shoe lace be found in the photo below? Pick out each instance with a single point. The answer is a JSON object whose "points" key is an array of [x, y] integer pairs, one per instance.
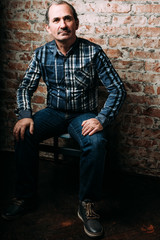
{"points": [[90, 213]]}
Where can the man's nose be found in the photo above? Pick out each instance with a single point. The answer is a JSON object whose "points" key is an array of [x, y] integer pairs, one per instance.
{"points": [[62, 23]]}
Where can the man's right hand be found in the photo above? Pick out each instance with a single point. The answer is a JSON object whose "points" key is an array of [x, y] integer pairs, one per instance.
{"points": [[20, 127]]}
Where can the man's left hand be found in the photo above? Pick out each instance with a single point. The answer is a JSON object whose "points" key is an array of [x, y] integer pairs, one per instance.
{"points": [[91, 126]]}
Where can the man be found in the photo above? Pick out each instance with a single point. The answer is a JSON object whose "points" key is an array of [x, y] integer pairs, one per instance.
{"points": [[71, 68]]}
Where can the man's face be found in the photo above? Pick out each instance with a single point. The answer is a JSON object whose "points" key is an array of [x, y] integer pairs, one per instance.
{"points": [[62, 25]]}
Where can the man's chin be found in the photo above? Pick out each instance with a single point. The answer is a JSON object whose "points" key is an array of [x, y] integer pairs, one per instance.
{"points": [[64, 38]]}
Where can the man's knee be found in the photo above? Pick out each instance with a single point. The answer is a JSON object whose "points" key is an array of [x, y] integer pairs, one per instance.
{"points": [[95, 141]]}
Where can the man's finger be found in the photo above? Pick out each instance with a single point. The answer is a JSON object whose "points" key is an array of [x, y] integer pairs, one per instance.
{"points": [[22, 133], [87, 130], [31, 128], [16, 134], [92, 132]]}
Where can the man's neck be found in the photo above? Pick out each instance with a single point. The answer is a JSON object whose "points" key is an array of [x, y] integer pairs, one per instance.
{"points": [[64, 47]]}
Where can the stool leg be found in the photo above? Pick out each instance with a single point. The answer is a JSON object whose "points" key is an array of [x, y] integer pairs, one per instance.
{"points": [[55, 139]]}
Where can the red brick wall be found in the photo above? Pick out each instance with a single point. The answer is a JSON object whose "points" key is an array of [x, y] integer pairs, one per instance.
{"points": [[129, 32]]}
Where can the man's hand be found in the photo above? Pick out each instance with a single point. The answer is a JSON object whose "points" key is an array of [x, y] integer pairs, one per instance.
{"points": [[91, 126], [20, 127]]}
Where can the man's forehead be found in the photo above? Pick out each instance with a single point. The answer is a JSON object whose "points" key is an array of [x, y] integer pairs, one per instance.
{"points": [[60, 10]]}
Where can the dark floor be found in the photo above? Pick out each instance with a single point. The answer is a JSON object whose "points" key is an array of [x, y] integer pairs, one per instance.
{"points": [[130, 209]]}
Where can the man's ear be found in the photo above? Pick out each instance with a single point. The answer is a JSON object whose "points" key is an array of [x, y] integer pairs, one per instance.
{"points": [[48, 28], [77, 24]]}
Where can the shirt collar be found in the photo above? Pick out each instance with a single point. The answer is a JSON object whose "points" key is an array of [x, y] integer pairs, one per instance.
{"points": [[55, 50]]}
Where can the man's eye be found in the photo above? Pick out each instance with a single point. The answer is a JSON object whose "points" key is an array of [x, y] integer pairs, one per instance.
{"points": [[68, 18], [55, 20]]}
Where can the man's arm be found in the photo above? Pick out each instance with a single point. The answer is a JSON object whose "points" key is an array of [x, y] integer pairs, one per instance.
{"points": [[116, 91], [27, 87], [24, 93]]}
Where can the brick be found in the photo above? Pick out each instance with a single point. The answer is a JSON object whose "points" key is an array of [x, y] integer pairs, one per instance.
{"points": [[99, 41], [104, 7], [12, 84], [38, 99], [41, 89], [17, 66], [94, 18], [125, 42], [18, 25], [152, 133], [113, 53], [131, 108], [129, 65], [154, 20], [153, 112], [37, 107], [116, 30], [142, 99], [20, 4], [30, 16], [28, 36], [143, 54], [149, 90], [152, 66], [143, 121], [18, 46], [146, 8], [141, 143], [133, 131], [140, 77], [145, 31], [158, 90], [24, 57], [134, 1], [134, 87], [152, 43], [9, 75], [39, 5], [132, 20], [39, 26]]}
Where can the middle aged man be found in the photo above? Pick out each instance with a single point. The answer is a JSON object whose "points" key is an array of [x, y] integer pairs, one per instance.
{"points": [[71, 68]]}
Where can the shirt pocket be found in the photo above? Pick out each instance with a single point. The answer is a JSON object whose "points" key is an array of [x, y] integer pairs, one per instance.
{"points": [[84, 77]]}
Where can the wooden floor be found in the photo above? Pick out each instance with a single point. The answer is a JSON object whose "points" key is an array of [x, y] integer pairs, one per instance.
{"points": [[130, 208]]}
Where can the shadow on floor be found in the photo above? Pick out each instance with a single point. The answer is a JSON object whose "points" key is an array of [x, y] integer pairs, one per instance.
{"points": [[129, 210]]}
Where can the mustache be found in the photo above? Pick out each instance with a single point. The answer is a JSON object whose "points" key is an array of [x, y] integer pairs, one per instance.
{"points": [[64, 30]]}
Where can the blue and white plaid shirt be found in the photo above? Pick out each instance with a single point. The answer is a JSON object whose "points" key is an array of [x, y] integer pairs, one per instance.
{"points": [[72, 80]]}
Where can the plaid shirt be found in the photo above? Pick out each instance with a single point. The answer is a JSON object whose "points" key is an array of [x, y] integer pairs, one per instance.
{"points": [[72, 80]]}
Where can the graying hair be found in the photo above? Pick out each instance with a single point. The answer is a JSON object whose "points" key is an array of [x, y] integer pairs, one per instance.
{"points": [[58, 2]]}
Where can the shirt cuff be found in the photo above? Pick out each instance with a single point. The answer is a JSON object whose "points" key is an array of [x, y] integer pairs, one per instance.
{"points": [[25, 114], [103, 120]]}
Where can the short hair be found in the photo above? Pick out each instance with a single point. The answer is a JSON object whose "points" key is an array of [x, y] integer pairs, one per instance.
{"points": [[58, 2]]}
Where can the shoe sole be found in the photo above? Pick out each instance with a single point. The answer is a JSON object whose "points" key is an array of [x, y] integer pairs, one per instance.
{"points": [[93, 235], [11, 217]]}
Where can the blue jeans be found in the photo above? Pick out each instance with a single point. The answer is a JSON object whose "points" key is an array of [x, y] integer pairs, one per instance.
{"points": [[48, 123]]}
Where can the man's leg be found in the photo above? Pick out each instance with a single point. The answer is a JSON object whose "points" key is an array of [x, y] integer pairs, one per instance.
{"points": [[92, 158], [91, 173], [47, 123]]}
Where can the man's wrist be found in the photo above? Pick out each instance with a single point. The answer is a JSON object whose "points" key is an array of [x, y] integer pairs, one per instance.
{"points": [[24, 114]]}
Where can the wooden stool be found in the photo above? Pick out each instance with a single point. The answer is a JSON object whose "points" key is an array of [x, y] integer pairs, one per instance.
{"points": [[56, 149]]}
